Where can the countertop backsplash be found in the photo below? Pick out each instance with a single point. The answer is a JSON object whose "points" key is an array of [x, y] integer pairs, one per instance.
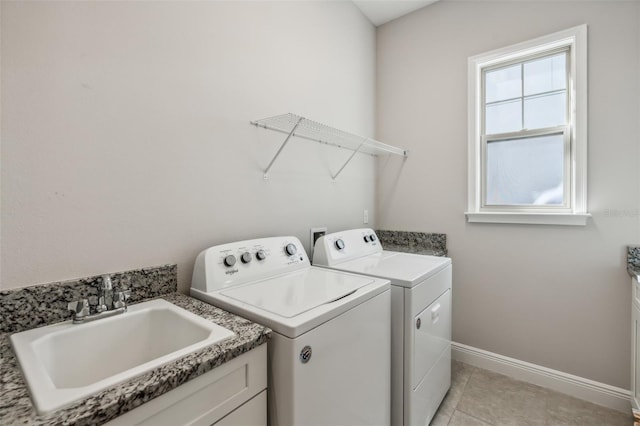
{"points": [[633, 260], [29, 307], [413, 242]]}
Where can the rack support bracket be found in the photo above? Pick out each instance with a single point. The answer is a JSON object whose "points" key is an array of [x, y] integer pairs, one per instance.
{"points": [[266, 171], [349, 159]]}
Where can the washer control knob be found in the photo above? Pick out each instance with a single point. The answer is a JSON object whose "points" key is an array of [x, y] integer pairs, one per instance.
{"points": [[261, 255], [290, 249], [366, 239], [372, 237], [339, 244], [230, 260], [246, 257]]}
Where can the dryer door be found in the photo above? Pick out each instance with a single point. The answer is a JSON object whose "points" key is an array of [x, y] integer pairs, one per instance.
{"points": [[431, 336]]}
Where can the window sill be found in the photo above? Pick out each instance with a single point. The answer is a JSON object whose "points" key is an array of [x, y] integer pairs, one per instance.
{"points": [[572, 219]]}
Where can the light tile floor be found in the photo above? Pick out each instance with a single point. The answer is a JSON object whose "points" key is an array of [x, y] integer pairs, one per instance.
{"points": [[482, 398]]}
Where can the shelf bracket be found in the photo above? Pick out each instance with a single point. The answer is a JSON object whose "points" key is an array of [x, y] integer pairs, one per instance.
{"points": [[349, 159], [266, 171]]}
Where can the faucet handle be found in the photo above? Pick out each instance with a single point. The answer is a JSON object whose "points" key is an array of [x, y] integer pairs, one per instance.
{"points": [[80, 308], [120, 299]]}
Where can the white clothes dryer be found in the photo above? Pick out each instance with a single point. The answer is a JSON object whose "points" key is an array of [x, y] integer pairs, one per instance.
{"points": [[420, 317], [329, 355]]}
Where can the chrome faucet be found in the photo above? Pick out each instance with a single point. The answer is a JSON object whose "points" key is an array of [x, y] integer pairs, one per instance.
{"points": [[109, 303], [105, 301]]}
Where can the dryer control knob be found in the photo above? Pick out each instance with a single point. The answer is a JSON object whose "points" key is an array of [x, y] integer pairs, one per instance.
{"points": [[372, 237], [230, 260], [261, 255], [339, 244], [366, 238], [246, 257], [290, 249]]}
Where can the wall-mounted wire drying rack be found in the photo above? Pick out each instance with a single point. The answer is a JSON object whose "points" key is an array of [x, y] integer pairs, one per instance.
{"points": [[295, 125]]}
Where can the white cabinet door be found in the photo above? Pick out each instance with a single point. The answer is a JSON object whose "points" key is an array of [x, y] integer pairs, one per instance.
{"points": [[207, 398]]}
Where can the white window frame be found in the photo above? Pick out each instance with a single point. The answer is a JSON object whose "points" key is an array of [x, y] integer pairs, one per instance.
{"points": [[574, 211]]}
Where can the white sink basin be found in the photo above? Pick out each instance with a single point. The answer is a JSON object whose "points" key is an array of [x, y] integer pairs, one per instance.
{"points": [[66, 362]]}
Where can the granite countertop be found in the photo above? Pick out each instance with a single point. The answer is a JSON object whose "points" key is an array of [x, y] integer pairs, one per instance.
{"points": [[16, 406]]}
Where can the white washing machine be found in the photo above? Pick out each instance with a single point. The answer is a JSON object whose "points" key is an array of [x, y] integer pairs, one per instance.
{"points": [[420, 317], [331, 330]]}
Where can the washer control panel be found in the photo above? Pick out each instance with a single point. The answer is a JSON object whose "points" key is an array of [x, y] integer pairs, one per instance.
{"points": [[236, 263], [342, 246]]}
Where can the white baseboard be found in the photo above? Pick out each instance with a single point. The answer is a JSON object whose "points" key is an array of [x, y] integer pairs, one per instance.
{"points": [[579, 387]]}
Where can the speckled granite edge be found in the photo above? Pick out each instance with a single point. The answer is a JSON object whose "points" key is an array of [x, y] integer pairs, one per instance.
{"points": [[633, 260], [413, 242], [35, 306], [15, 403]]}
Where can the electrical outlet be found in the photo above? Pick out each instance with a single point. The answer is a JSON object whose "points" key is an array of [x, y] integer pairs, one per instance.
{"points": [[314, 234], [365, 216]]}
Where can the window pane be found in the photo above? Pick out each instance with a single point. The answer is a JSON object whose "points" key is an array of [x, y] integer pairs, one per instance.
{"points": [[545, 111], [525, 171], [504, 83], [545, 75], [503, 117]]}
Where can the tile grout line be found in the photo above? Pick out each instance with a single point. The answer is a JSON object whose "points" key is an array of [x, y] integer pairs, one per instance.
{"points": [[464, 387]]}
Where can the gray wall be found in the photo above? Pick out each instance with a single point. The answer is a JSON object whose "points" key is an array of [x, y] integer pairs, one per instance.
{"points": [[551, 295], [126, 139]]}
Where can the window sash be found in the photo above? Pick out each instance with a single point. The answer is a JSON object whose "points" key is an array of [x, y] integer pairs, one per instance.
{"points": [[525, 133], [568, 195], [522, 61]]}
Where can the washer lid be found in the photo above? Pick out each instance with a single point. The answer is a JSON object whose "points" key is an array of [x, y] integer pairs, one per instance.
{"points": [[292, 294], [404, 269]]}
